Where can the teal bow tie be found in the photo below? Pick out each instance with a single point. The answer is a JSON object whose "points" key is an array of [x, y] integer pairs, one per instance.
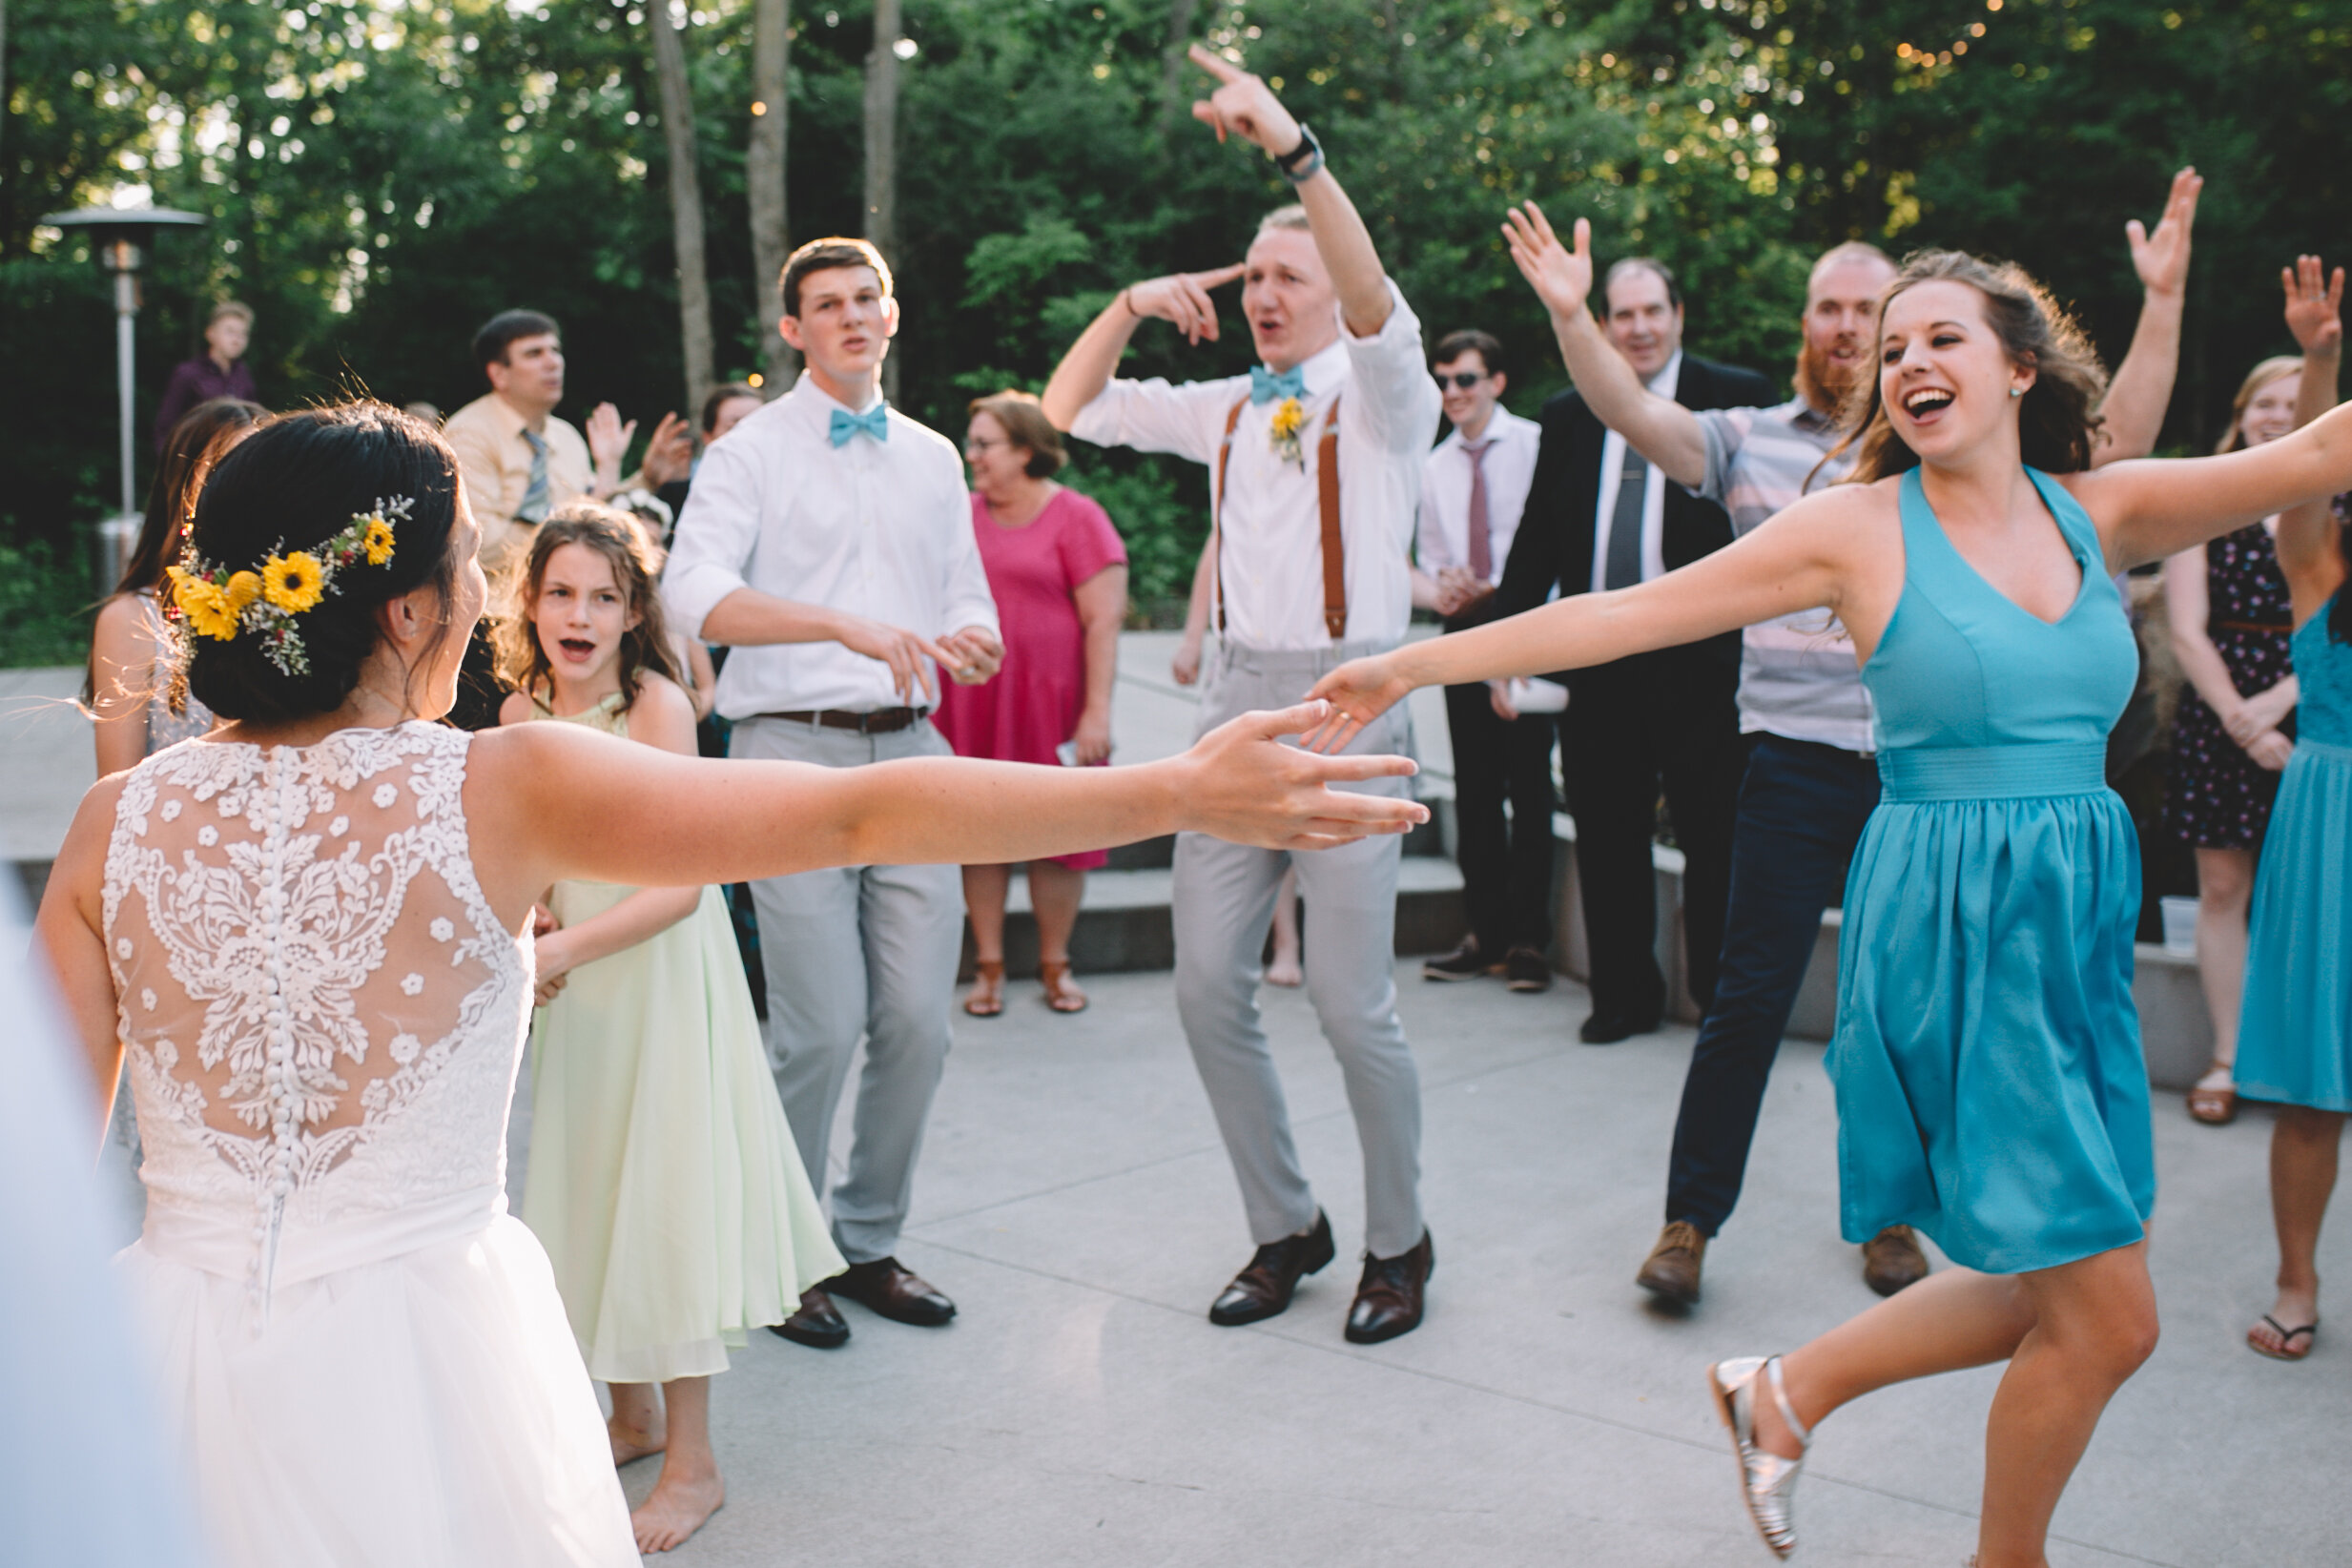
{"points": [[1264, 387], [874, 422]]}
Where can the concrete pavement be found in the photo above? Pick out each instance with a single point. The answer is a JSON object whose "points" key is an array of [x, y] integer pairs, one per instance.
{"points": [[1082, 1409]]}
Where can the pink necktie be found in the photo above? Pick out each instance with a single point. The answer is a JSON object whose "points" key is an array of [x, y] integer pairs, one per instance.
{"points": [[1482, 547]]}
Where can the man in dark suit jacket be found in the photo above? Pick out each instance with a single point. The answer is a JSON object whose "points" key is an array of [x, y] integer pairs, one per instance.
{"points": [[1599, 516]]}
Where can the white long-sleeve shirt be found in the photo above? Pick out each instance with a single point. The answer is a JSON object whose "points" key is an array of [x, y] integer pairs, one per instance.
{"points": [[1271, 555], [882, 529], [1510, 468]]}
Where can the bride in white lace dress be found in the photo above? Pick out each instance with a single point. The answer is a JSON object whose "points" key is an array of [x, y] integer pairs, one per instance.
{"points": [[308, 936]]}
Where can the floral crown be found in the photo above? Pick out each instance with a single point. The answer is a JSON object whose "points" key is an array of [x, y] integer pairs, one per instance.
{"points": [[214, 601]]}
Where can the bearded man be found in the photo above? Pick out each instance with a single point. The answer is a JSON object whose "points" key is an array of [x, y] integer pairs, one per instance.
{"points": [[1812, 773]]}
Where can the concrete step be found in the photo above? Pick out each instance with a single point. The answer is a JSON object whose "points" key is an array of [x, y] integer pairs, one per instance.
{"points": [[1124, 923]]}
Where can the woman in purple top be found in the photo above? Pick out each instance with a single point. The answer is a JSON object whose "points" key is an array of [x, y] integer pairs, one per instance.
{"points": [[1060, 576], [219, 372]]}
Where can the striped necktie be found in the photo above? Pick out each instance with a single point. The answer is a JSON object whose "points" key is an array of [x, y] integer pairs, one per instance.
{"points": [[534, 507]]}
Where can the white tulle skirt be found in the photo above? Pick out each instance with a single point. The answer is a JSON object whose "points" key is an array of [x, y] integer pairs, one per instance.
{"points": [[427, 1409]]}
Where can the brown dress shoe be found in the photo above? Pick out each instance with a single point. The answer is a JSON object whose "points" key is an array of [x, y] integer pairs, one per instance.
{"points": [[818, 1324], [888, 1288], [1892, 1259], [1263, 1290], [1671, 1271], [1389, 1297]]}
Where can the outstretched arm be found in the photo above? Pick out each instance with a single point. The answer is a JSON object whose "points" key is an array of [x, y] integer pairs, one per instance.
{"points": [[2143, 388], [2307, 550], [551, 800], [2155, 508], [1658, 428], [1804, 558]]}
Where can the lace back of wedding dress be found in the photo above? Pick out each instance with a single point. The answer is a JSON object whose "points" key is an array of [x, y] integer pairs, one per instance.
{"points": [[322, 1016]]}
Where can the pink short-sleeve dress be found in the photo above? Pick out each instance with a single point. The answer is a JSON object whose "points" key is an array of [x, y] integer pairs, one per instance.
{"points": [[1032, 704]]}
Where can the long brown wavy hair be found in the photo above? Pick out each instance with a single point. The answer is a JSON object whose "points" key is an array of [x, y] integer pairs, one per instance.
{"points": [[615, 536], [2058, 419]]}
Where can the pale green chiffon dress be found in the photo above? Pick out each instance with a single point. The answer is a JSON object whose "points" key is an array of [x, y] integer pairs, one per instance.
{"points": [[663, 1180]]}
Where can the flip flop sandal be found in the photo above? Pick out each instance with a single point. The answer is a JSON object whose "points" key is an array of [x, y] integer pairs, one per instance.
{"points": [[986, 998], [2212, 1099], [1060, 995], [2286, 1337]]}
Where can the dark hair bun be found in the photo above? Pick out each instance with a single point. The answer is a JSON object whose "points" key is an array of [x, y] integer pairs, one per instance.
{"points": [[292, 485]]}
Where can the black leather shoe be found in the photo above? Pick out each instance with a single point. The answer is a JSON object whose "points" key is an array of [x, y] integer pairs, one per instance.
{"points": [[888, 1288], [1388, 1299], [1464, 962], [1263, 1290], [1609, 1027], [818, 1325], [1524, 970]]}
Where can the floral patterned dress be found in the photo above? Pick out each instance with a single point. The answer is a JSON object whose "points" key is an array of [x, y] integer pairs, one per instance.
{"points": [[2216, 797]]}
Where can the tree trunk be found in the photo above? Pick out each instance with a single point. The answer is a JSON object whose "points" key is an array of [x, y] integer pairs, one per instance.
{"points": [[684, 203], [882, 153], [763, 171], [1175, 103]]}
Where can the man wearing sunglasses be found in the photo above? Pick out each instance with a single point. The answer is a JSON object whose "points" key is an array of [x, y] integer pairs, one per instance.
{"points": [[1472, 489]]}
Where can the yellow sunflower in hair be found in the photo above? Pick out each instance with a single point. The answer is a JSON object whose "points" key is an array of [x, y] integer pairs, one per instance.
{"points": [[293, 583], [377, 540], [205, 605]]}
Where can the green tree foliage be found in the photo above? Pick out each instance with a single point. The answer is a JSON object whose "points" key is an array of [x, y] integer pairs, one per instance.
{"points": [[385, 173]]}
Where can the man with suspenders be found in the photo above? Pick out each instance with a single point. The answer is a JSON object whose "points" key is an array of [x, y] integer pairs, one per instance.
{"points": [[1316, 469]]}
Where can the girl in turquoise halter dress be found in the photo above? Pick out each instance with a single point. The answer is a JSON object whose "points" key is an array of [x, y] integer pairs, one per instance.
{"points": [[1989, 1083], [2295, 1029], [663, 1180]]}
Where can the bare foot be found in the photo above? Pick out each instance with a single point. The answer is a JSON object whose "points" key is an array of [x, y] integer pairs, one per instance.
{"points": [[2290, 1313], [680, 1505], [631, 1441], [1285, 971]]}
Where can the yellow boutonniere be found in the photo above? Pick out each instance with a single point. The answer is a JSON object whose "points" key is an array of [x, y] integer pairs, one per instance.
{"points": [[293, 583], [1290, 419]]}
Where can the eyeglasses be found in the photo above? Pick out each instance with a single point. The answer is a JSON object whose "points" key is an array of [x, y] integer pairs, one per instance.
{"points": [[1465, 379], [981, 444]]}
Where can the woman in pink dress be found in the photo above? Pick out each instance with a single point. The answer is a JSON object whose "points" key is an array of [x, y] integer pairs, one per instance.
{"points": [[1060, 576]]}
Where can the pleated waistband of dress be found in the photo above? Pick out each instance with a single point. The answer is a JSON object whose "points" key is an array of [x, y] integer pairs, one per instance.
{"points": [[2327, 749], [222, 1241], [1993, 773]]}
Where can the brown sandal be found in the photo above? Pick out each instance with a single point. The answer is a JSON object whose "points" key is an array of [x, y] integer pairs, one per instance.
{"points": [[986, 998], [1061, 992], [2216, 1104]]}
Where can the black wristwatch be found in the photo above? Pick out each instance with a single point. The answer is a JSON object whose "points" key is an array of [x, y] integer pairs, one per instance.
{"points": [[1301, 162]]}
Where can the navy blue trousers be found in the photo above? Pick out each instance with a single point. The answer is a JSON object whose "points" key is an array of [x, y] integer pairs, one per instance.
{"points": [[1801, 809]]}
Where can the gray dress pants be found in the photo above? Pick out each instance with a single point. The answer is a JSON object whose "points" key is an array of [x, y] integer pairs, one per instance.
{"points": [[1224, 899], [851, 953]]}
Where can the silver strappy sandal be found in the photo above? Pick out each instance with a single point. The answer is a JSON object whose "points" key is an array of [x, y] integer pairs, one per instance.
{"points": [[1768, 1482]]}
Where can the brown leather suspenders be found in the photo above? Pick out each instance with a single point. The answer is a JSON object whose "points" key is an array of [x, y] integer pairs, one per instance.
{"points": [[1327, 497]]}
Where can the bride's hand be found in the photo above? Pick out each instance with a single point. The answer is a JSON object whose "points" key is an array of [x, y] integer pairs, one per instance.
{"points": [[1247, 786], [1359, 691]]}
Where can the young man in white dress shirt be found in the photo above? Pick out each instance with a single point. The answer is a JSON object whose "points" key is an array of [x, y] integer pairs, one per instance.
{"points": [[1473, 490], [1315, 463], [828, 540]]}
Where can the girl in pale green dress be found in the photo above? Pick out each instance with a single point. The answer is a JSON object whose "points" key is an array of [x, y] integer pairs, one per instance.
{"points": [[663, 1179]]}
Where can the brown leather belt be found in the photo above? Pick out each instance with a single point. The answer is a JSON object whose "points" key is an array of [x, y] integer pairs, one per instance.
{"points": [[882, 721], [2280, 630]]}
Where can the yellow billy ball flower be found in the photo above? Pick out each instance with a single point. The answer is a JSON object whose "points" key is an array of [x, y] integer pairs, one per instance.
{"points": [[242, 588], [293, 583]]}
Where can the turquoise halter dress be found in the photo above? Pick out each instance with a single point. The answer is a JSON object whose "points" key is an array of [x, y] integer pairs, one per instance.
{"points": [[1989, 1084], [2295, 1028]]}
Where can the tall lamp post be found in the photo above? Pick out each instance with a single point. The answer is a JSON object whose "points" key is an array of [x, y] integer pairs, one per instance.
{"points": [[119, 238]]}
